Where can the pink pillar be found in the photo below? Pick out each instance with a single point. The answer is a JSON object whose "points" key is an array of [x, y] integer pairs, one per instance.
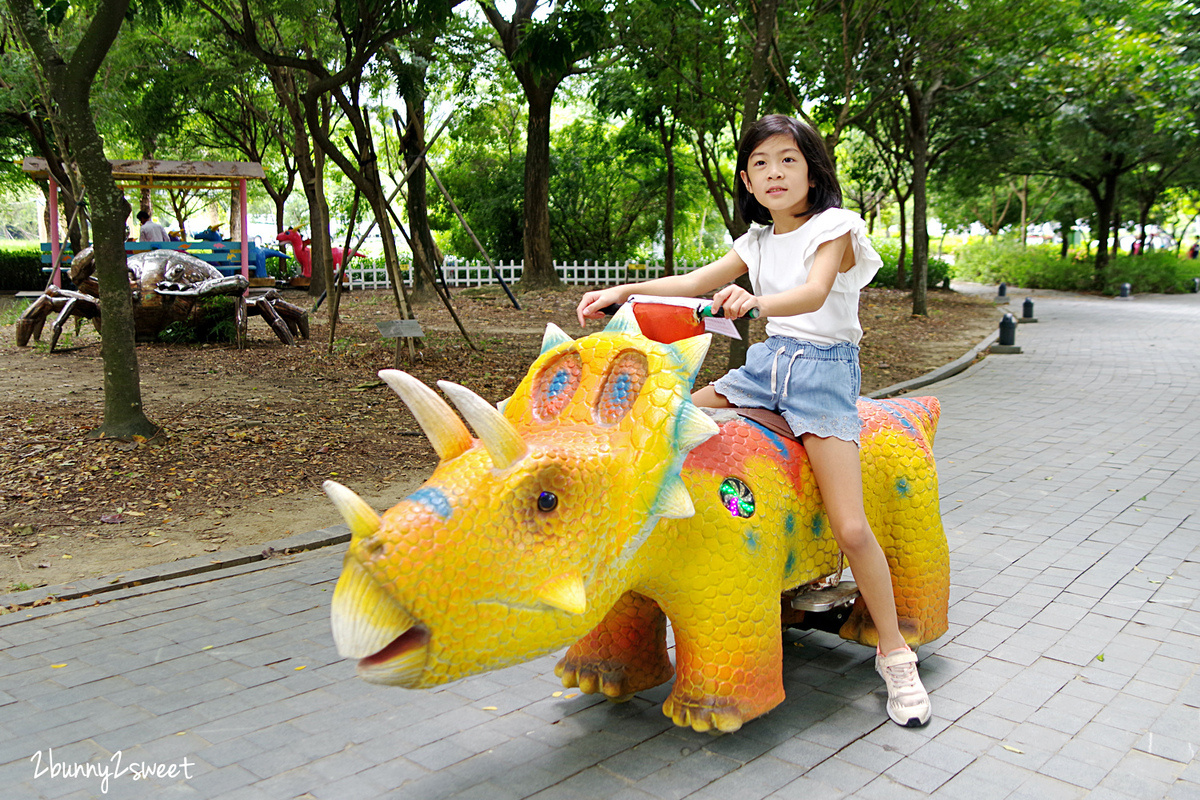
{"points": [[55, 244], [245, 213]]}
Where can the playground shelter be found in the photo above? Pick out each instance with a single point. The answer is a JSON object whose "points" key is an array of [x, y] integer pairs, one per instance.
{"points": [[232, 175]]}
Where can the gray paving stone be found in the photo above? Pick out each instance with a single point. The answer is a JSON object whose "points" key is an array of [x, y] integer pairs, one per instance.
{"points": [[1045, 529]]}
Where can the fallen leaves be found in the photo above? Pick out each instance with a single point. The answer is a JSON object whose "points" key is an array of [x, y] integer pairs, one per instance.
{"points": [[266, 422]]}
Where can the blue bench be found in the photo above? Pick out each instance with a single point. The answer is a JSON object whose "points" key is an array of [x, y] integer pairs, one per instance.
{"points": [[225, 256]]}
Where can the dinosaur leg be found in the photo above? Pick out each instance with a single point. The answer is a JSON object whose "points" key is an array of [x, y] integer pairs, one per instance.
{"points": [[626, 653], [919, 561], [729, 666]]}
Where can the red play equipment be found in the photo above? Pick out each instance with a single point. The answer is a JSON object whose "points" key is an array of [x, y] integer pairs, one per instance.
{"points": [[300, 249]]}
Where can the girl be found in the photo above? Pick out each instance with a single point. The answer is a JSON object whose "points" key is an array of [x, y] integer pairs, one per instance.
{"points": [[807, 267]]}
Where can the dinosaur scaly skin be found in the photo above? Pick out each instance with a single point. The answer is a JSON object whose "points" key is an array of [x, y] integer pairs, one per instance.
{"points": [[602, 502]]}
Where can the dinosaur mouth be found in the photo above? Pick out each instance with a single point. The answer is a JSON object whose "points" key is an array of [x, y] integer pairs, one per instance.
{"points": [[401, 662], [390, 644]]}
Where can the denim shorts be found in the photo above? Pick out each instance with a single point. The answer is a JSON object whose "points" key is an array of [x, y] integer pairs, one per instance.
{"points": [[813, 386]]}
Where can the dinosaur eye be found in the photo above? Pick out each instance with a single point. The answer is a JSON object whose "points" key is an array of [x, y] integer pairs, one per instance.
{"points": [[547, 501]]}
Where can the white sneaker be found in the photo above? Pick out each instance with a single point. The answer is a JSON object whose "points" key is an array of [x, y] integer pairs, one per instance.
{"points": [[908, 702]]}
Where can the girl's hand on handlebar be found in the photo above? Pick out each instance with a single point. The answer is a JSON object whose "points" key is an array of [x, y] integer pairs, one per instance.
{"points": [[592, 304], [735, 300]]}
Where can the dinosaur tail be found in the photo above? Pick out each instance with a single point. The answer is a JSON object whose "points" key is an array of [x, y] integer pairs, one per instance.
{"points": [[918, 414], [924, 412]]}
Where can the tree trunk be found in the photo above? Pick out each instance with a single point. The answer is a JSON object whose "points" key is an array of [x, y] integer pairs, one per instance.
{"points": [[539, 260], [71, 84], [319, 249], [416, 203], [765, 13], [901, 273], [1024, 210], [666, 135], [919, 137], [1105, 202]]}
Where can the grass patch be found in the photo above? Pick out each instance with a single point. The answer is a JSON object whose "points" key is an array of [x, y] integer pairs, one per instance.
{"points": [[1042, 267]]}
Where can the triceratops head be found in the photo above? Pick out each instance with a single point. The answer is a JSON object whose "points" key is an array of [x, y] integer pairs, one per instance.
{"points": [[522, 539]]}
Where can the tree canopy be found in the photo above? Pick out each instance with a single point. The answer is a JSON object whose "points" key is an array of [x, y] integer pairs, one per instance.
{"points": [[581, 129]]}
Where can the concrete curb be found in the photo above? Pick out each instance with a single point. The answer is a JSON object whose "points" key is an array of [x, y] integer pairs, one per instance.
{"points": [[939, 374], [175, 570], [338, 534]]}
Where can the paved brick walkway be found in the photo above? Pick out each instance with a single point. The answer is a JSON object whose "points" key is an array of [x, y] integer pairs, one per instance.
{"points": [[1071, 491]]}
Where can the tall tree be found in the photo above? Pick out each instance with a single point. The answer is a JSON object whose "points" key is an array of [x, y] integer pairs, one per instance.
{"points": [[362, 31], [1129, 99], [956, 67], [68, 76], [542, 52], [24, 102]]}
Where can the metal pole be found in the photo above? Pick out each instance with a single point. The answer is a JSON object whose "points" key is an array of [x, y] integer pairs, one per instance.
{"points": [[245, 216], [55, 245], [463, 220]]}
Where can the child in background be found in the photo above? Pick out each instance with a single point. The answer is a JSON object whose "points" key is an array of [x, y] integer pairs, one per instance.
{"points": [[807, 267]]}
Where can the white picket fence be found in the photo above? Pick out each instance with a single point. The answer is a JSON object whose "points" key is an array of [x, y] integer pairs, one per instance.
{"points": [[461, 274]]}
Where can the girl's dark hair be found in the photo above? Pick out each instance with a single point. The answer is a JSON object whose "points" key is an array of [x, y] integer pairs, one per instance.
{"points": [[825, 192]]}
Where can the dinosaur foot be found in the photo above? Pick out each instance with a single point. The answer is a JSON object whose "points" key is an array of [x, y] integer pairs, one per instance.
{"points": [[859, 627], [617, 682], [705, 714]]}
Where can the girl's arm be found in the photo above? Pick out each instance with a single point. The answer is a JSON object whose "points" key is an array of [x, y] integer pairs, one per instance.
{"points": [[692, 284], [832, 257]]}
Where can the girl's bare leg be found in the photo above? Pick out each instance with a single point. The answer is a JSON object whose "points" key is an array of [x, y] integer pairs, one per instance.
{"points": [[835, 464], [836, 467], [707, 397]]}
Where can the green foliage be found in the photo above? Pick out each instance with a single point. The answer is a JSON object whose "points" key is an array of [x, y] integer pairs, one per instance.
{"points": [[21, 269], [606, 191], [11, 312], [1158, 272], [488, 187], [483, 168], [1032, 267], [572, 32], [1041, 267], [889, 251], [213, 323]]}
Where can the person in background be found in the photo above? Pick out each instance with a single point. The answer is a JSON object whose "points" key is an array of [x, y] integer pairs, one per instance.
{"points": [[151, 230]]}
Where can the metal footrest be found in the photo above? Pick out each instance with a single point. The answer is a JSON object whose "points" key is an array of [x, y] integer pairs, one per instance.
{"points": [[826, 599]]}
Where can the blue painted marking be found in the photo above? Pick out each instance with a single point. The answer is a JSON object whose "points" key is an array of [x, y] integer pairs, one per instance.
{"points": [[774, 438], [818, 525], [557, 383], [620, 388], [433, 499], [790, 564], [902, 487], [789, 523], [894, 411], [751, 540]]}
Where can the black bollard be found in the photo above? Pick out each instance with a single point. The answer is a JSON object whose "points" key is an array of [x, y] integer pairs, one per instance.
{"points": [[1195, 285], [1125, 287], [1008, 330], [1007, 342], [1002, 293], [1027, 311]]}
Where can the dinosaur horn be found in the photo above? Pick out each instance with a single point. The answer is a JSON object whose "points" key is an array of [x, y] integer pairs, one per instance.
{"points": [[360, 517], [445, 430], [503, 442]]}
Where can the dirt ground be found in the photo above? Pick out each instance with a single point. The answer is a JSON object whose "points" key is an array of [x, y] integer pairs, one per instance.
{"points": [[252, 434]]}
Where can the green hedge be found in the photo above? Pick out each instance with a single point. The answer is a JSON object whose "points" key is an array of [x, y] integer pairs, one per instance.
{"points": [[1042, 267], [21, 269], [889, 251]]}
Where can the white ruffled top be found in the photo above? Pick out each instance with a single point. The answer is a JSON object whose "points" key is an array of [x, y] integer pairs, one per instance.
{"points": [[779, 262]]}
